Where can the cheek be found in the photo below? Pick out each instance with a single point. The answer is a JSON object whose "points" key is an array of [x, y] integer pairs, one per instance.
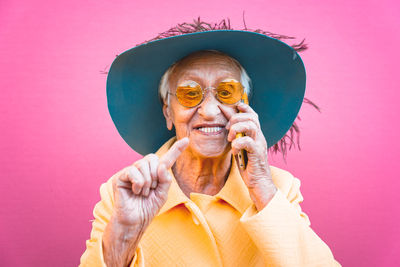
{"points": [[182, 121]]}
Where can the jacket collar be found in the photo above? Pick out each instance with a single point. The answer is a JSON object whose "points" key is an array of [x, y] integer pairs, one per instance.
{"points": [[234, 192]]}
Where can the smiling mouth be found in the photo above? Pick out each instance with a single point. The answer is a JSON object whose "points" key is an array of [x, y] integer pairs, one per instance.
{"points": [[215, 129], [210, 129]]}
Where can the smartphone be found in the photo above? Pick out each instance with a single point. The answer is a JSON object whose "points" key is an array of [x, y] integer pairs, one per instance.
{"points": [[242, 156]]}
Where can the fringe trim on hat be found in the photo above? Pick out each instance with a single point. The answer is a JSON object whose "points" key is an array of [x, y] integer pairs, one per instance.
{"points": [[201, 26]]}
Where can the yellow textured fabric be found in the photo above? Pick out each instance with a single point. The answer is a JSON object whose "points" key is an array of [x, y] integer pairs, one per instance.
{"points": [[220, 230]]}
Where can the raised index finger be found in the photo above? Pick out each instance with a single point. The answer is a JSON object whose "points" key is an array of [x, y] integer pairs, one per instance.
{"points": [[173, 153]]}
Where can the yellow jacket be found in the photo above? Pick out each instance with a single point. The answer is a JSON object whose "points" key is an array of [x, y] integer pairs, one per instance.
{"points": [[220, 230]]}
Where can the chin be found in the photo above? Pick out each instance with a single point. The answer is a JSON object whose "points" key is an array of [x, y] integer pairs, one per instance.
{"points": [[210, 149]]}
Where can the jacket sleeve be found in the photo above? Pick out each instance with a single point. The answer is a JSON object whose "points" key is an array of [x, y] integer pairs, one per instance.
{"points": [[282, 232], [93, 256]]}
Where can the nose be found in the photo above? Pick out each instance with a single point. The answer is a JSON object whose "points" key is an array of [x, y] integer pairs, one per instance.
{"points": [[209, 108]]}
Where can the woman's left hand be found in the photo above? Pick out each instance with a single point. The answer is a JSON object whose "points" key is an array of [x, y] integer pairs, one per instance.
{"points": [[257, 175]]}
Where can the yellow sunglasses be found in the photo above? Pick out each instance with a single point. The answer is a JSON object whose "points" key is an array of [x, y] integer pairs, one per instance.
{"points": [[192, 94]]}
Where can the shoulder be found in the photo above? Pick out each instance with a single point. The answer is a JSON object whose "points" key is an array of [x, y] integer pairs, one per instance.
{"points": [[285, 181]]}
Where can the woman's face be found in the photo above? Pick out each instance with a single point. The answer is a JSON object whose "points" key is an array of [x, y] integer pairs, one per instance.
{"points": [[205, 123]]}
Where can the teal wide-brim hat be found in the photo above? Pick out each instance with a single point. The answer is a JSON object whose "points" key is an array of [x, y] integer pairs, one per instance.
{"points": [[275, 69]]}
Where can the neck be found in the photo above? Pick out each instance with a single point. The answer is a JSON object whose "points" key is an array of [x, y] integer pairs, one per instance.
{"points": [[201, 175]]}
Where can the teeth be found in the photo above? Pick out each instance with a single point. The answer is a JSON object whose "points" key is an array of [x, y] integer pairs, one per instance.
{"points": [[210, 129]]}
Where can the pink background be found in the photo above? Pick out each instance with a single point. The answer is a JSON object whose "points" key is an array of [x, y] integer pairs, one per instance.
{"points": [[58, 143]]}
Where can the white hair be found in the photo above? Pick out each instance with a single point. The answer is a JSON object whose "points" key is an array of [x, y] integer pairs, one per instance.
{"points": [[163, 88]]}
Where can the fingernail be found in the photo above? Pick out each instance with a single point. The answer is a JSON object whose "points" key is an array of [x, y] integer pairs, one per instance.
{"points": [[146, 192]]}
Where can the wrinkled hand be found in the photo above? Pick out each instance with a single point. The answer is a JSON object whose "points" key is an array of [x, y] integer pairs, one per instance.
{"points": [[257, 175], [141, 190]]}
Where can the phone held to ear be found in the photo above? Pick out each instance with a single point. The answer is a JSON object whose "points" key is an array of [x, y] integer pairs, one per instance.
{"points": [[242, 156]]}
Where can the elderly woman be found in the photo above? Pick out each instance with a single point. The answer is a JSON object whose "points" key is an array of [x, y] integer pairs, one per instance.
{"points": [[189, 204]]}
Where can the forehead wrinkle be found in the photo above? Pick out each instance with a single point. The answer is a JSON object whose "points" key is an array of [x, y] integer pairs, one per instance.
{"points": [[205, 75]]}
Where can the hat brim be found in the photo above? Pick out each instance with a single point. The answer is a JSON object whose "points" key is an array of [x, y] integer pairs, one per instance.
{"points": [[275, 69]]}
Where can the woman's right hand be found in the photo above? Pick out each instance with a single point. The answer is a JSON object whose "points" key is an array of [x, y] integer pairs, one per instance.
{"points": [[141, 190]]}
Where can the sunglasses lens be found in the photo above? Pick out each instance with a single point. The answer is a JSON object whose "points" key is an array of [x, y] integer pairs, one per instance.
{"points": [[230, 92], [189, 96], [227, 92]]}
